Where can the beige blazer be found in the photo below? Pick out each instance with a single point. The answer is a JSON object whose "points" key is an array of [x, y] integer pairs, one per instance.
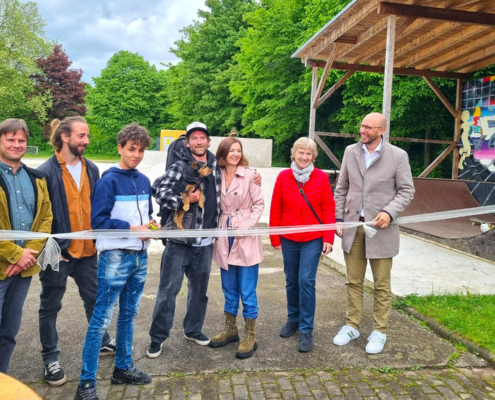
{"points": [[387, 185]]}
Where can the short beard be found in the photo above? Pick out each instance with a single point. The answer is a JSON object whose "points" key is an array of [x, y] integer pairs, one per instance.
{"points": [[75, 150]]}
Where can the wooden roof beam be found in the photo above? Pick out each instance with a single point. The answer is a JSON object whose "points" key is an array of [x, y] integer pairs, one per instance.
{"points": [[479, 65], [380, 70], [456, 52], [323, 79], [441, 96], [458, 16], [341, 30], [471, 59]]}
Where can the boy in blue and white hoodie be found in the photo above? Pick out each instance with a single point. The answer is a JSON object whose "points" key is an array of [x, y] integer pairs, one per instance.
{"points": [[121, 200]]}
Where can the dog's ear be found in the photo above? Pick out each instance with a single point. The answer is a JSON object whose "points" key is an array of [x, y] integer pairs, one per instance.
{"points": [[194, 164]]}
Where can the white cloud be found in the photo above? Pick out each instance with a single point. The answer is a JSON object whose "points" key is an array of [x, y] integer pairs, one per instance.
{"points": [[91, 31]]}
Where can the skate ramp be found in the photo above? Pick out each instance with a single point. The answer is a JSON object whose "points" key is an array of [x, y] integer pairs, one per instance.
{"points": [[435, 195]]}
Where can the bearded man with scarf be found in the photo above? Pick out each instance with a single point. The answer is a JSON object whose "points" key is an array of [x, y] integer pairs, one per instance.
{"points": [[302, 196]]}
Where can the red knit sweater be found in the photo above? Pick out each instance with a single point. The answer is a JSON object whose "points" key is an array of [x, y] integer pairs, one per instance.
{"points": [[288, 207]]}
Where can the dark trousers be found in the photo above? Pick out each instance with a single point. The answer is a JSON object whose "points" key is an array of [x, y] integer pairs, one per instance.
{"points": [[300, 265], [13, 292], [177, 260], [53, 285]]}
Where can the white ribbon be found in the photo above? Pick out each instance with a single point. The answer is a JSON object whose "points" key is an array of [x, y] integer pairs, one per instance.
{"points": [[51, 253]]}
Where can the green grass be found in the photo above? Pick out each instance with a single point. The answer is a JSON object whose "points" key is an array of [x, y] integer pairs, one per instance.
{"points": [[471, 316]]}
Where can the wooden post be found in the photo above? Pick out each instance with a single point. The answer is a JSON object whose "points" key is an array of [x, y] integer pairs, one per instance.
{"points": [[457, 131], [312, 110], [389, 72]]}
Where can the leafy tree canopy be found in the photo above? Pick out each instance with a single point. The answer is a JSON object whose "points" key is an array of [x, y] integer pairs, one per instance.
{"points": [[198, 86], [129, 89]]}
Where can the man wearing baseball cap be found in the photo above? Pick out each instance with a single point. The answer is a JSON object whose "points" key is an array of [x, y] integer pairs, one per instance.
{"points": [[189, 256]]}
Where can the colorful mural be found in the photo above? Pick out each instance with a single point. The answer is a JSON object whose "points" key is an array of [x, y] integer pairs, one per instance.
{"points": [[477, 154]]}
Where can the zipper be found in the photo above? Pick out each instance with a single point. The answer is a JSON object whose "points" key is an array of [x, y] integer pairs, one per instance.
{"points": [[137, 203]]}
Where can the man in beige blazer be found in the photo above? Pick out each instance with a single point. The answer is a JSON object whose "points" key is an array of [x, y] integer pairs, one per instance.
{"points": [[375, 184]]}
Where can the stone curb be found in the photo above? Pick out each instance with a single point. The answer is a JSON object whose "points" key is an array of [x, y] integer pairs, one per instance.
{"points": [[442, 331]]}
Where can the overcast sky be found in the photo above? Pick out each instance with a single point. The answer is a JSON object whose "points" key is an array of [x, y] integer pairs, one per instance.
{"points": [[91, 31]]}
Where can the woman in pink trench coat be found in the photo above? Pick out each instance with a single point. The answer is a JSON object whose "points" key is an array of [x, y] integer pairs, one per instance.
{"points": [[238, 257]]}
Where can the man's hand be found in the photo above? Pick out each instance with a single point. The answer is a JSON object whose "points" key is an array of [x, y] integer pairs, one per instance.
{"points": [[141, 228], [27, 260], [155, 224], [13, 269], [327, 248], [279, 247], [382, 220], [257, 178], [339, 230], [194, 196]]}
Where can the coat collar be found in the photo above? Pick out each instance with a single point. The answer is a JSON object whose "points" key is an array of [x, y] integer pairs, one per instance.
{"points": [[240, 172], [359, 152]]}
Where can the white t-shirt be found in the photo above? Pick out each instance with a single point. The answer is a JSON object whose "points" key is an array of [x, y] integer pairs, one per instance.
{"points": [[75, 171]]}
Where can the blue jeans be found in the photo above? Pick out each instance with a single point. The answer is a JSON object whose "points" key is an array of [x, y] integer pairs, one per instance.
{"points": [[301, 261], [121, 279], [240, 282], [177, 260], [13, 292]]}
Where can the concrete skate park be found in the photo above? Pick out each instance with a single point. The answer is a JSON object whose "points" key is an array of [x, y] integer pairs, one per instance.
{"points": [[423, 266]]}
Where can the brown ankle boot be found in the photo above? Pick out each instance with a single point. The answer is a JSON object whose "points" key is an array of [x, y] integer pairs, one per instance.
{"points": [[248, 345], [229, 333]]}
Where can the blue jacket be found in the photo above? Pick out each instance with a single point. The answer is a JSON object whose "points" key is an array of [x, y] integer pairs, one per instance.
{"points": [[121, 199]]}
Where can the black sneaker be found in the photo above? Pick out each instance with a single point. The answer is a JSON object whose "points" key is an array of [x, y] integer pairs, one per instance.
{"points": [[132, 376], [109, 349], [199, 338], [155, 350], [54, 374], [86, 391], [305, 343], [289, 329]]}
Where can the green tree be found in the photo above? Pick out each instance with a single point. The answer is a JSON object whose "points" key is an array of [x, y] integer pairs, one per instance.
{"points": [[22, 41], [198, 86], [129, 89]]}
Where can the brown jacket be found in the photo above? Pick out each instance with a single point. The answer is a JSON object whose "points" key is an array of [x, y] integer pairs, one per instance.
{"points": [[10, 253], [387, 185]]}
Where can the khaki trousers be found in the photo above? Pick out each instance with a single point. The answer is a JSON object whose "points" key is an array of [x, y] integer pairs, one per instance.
{"points": [[356, 268]]}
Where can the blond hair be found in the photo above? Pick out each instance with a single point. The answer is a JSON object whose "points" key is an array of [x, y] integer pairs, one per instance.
{"points": [[304, 143]]}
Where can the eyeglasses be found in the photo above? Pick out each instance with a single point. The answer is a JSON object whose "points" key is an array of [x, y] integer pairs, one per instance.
{"points": [[368, 128]]}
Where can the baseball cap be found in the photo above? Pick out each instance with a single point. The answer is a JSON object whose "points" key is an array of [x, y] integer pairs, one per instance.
{"points": [[196, 126]]}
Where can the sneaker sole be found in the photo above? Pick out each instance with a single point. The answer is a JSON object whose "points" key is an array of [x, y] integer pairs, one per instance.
{"points": [[60, 382], [288, 336], [107, 353], [154, 355], [232, 339], [200, 342], [116, 381], [243, 356]]}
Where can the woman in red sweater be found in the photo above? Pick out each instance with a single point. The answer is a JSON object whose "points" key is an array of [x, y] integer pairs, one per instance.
{"points": [[301, 251]]}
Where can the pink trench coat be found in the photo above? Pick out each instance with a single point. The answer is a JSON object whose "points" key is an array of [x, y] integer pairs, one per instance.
{"points": [[243, 204]]}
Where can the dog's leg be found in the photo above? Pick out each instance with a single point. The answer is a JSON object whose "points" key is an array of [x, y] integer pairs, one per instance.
{"points": [[178, 215], [201, 199], [185, 200]]}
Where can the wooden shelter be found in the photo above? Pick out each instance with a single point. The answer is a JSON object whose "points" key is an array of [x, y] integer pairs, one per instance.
{"points": [[426, 38]]}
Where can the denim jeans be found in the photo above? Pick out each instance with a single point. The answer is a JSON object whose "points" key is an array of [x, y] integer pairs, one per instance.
{"points": [[301, 261], [121, 279], [53, 285], [13, 292], [177, 260], [240, 282]]}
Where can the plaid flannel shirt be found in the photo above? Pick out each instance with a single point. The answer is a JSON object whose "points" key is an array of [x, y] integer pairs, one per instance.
{"points": [[167, 196]]}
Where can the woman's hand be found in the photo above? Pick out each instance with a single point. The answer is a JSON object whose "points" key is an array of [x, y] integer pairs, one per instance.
{"points": [[327, 248], [279, 247]]}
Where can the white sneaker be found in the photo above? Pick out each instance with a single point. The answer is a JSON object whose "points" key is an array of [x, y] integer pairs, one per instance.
{"points": [[376, 341], [345, 335]]}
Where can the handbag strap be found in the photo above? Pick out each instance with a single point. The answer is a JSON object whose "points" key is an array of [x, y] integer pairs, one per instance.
{"points": [[307, 201]]}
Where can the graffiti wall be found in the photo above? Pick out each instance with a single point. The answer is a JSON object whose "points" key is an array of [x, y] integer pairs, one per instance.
{"points": [[477, 154]]}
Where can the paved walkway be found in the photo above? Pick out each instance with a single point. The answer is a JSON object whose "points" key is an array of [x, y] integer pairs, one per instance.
{"points": [[352, 384]]}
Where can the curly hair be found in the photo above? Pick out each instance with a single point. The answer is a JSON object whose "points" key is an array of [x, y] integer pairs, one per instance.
{"points": [[134, 133]]}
